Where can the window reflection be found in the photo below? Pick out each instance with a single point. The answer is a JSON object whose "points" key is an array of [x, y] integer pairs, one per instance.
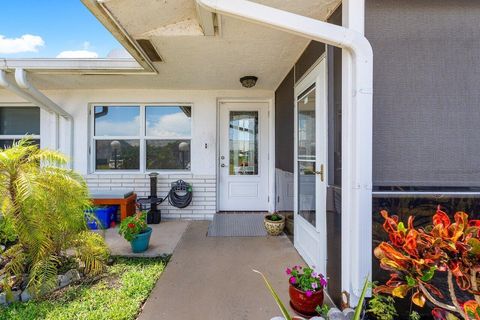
{"points": [[117, 154], [306, 191], [7, 143], [306, 156], [168, 154], [306, 126], [168, 121], [19, 120], [117, 121], [243, 135]]}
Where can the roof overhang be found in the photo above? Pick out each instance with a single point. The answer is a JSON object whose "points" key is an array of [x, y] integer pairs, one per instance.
{"points": [[82, 66], [196, 48]]}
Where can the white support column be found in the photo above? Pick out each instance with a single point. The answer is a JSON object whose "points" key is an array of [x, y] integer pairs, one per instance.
{"points": [[272, 195], [357, 126]]}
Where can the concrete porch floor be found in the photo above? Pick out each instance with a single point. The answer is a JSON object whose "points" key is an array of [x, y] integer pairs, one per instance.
{"points": [[164, 239], [212, 278]]}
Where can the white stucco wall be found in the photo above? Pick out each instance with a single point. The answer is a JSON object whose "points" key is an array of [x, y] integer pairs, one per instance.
{"points": [[204, 131]]}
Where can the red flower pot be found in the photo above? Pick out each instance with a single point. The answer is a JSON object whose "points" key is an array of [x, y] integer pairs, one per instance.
{"points": [[305, 305]]}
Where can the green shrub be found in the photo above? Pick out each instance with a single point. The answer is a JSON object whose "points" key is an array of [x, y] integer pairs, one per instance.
{"points": [[7, 231], [45, 202], [382, 307]]}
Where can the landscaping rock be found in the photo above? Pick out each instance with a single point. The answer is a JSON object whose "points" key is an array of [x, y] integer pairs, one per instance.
{"points": [[2, 248], [73, 275], [3, 299], [348, 313], [15, 296], [25, 296], [317, 318], [335, 314], [63, 281]]}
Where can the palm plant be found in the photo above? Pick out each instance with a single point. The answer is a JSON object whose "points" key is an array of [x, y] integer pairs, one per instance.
{"points": [[45, 202]]}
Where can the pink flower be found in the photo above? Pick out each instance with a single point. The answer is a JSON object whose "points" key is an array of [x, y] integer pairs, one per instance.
{"points": [[293, 280], [288, 271], [309, 293], [314, 285], [314, 274], [298, 268], [323, 282]]}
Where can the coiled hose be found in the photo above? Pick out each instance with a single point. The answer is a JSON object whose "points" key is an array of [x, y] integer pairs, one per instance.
{"points": [[180, 195]]}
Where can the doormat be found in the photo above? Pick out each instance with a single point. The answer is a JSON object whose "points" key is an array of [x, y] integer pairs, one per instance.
{"points": [[237, 225]]}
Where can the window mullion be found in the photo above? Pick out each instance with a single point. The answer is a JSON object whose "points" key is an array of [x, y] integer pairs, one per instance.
{"points": [[143, 148]]}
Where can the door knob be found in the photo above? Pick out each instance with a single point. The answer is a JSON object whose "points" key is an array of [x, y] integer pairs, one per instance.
{"points": [[222, 165], [320, 172]]}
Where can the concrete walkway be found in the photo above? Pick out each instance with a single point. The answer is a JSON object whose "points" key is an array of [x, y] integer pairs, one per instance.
{"points": [[212, 278], [164, 239]]}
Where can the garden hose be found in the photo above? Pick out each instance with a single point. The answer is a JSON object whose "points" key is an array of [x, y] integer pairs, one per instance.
{"points": [[180, 195]]}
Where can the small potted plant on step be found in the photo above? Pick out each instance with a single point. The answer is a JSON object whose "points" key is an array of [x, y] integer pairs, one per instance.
{"points": [[135, 230], [306, 289], [274, 224]]}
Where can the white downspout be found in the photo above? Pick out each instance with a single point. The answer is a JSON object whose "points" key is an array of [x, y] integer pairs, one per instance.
{"points": [[22, 80], [26, 85], [358, 190], [24, 89]]}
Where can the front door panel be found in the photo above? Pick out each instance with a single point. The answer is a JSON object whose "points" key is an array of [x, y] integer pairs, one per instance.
{"points": [[243, 171]]}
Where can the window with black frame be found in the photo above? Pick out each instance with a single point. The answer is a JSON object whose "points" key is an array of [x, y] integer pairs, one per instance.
{"points": [[17, 122], [142, 137]]}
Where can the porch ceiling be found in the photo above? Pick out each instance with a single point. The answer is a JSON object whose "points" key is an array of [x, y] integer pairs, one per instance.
{"points": [[194, 61]]}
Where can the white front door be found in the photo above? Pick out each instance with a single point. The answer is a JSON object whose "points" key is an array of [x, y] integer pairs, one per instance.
{"points": [[311, 167], [243, 152]]}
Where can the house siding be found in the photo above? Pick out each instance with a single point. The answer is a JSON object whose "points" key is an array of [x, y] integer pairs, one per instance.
{"points": [[425, 92], [203, 173], [204, 188]]}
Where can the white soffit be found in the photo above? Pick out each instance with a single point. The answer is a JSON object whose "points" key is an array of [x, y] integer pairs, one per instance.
{"points": [[194, 61]]}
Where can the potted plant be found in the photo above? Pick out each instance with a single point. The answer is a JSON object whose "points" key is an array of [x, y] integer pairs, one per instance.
{"points": [[274, 224], [306, 289], [135, 230], [286, 315]]}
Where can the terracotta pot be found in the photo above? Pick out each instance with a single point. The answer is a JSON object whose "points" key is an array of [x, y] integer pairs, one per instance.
{"points": [[305, 305], [274, 228]]}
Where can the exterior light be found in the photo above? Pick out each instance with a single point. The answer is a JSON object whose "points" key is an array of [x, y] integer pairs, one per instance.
{"points": [[248, 81]]}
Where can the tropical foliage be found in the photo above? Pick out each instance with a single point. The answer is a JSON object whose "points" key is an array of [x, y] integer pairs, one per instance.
{"points": [[382, 307], [45, 203], [418, 257], [7, 231]]}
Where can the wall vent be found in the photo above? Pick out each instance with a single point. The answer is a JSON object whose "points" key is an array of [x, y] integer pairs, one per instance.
{"points": [[149, 49]]}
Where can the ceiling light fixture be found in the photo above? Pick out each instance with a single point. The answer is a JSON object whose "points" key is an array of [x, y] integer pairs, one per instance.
{"points": [[248, 81]]}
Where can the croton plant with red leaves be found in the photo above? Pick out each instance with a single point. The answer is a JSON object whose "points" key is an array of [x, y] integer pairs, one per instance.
{"points": [[416, 256]]}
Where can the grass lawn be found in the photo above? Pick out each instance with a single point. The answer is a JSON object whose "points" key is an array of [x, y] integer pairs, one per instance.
{"points": [[118, 295]]}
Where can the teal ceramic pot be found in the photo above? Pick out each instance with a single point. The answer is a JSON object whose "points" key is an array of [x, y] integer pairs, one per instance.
{"points": [[141, 241]]}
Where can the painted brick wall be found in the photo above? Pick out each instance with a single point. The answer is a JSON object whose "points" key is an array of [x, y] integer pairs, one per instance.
{"points": [[203, 205]]}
